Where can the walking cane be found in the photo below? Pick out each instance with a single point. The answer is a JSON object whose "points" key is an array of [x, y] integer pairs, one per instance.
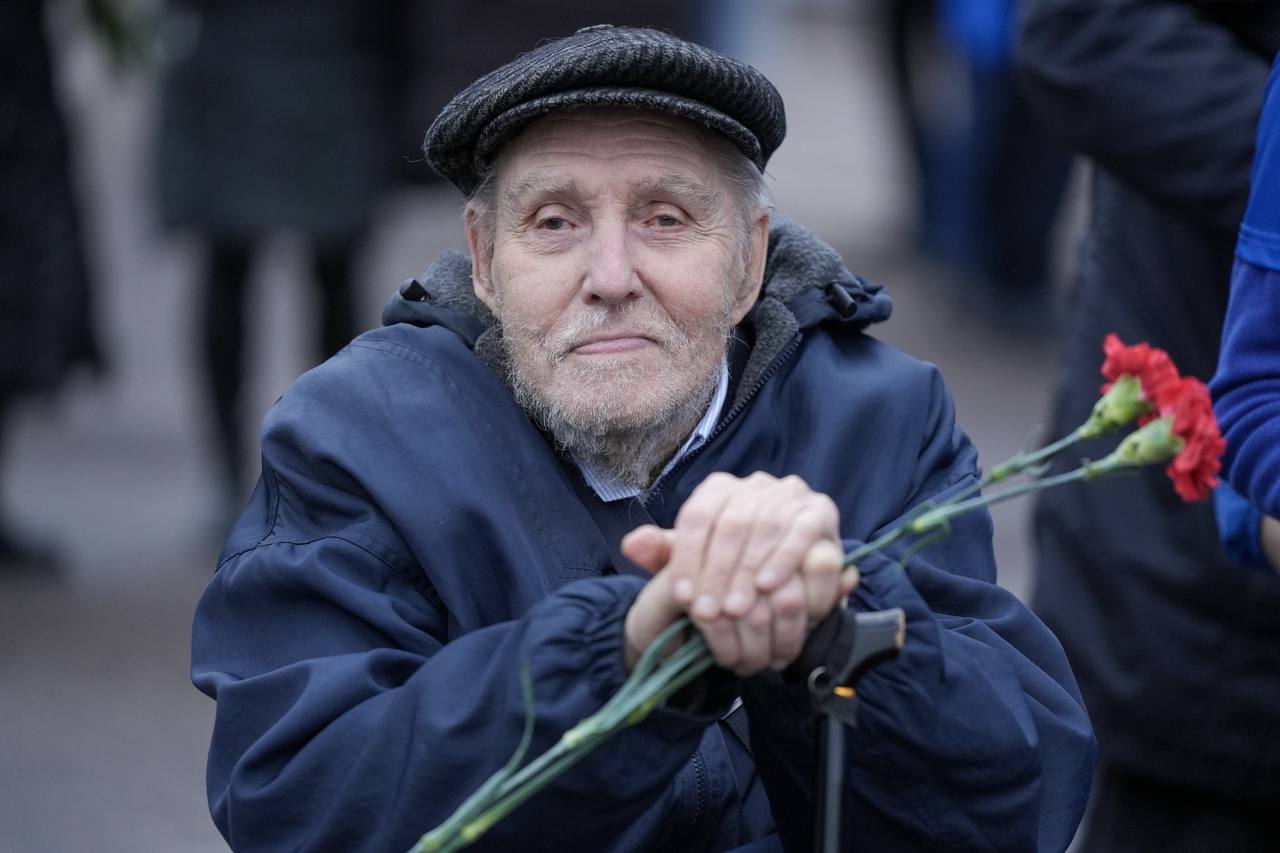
{"points": [[837, 653]]}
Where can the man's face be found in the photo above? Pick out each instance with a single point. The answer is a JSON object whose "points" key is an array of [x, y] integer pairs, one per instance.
{"points": [[618, 266]]}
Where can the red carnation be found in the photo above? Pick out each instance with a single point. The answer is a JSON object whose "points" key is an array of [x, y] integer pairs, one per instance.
{"points": [[1194, 470], [1151, 365]]}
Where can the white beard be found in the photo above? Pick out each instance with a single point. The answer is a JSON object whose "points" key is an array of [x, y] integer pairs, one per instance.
{"points": [[626, 433]]}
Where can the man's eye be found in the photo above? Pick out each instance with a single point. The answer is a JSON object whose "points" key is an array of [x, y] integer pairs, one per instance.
{"points": [[554, 223], [665, 220]]}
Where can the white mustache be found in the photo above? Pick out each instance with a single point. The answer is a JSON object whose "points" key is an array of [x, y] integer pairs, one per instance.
{"points": [[588, 326]]}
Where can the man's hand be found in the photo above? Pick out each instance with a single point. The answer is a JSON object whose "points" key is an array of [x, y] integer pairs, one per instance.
{"points": [[754, 562], [1271, 541]]}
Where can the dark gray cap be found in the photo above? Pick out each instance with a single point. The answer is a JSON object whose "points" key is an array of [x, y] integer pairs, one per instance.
{"points": [[606, 66]]}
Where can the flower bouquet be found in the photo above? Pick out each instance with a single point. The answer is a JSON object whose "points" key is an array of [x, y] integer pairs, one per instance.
{"points": [[1176, 425]]}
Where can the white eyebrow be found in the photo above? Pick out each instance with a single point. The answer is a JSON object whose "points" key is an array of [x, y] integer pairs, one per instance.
{"points": [[681, 186], [535, 184], [674, 184]]}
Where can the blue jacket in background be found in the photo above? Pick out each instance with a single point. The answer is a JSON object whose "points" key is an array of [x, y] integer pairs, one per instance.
{"points": [[1246, 388], [414, 538]]}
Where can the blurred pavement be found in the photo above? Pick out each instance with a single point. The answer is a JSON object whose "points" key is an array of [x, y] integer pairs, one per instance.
{"points": [[103, 738]]}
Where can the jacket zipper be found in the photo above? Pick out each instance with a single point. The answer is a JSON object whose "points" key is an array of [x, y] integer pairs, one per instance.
{"points": [[699, 768], [743, 402], [700, 792]]}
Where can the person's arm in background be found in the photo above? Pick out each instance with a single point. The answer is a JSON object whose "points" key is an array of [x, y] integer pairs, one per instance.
{"points": [[1248, 537], [1246, 389], [1153, 91]]}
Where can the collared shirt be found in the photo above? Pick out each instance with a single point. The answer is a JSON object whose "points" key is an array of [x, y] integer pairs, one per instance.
{"points": [[611, 489]]}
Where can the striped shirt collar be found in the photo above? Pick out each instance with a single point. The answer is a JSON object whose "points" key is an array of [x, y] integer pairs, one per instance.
{"points": [[610, 489]]}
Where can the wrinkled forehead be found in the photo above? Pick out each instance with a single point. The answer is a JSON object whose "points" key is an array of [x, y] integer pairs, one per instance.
{"points": [[638, 146]]}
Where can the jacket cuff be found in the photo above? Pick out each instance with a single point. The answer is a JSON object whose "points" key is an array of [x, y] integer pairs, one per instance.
{"points": [[1239, 528], [701, 702]]}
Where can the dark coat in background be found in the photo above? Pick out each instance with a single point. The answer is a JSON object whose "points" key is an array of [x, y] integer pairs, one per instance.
{"points": [[278, 115], [1176, 648], [299, 113], [44, 288]]}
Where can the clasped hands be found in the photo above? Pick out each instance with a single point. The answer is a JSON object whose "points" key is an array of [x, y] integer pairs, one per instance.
{"points": [[753, 562]]}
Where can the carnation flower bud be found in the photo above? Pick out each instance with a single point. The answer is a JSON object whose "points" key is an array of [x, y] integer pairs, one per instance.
{"points": [[1155, 442], [1122, 403]]}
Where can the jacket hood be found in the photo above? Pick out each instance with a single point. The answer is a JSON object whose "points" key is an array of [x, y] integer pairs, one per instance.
{"points": [[805, 285]]}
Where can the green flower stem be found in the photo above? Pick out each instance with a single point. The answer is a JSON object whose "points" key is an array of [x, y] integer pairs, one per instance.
{"points": [[1018, 463], [1022, 461], [939, 516], [649, 685], [874, 546], [1012, 466], [477, 802], [1118, 407], [517, 791], [613, 714], [564, 757], [654, 679]]}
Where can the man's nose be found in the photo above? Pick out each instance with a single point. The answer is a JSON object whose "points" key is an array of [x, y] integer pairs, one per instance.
{"points": [[611, 277]]}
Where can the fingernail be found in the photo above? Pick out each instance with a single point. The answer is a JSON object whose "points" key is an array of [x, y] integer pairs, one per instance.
{"points": [[766, 579], [706, 607], [683, 590], [737, 602]]}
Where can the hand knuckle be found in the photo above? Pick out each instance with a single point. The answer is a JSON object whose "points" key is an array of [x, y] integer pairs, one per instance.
{"points": [[734, 524], [823, 568], [695, 515], [786, 560], [795, 484], [767, 528], [788, 602], [808, 528]]}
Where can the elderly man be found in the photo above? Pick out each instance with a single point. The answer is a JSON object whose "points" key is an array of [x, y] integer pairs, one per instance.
{"points": [[638, 371]]}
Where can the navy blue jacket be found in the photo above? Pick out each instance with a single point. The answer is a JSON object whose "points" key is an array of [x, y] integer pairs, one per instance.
{"points": [[414, 537], [1246, 387]]}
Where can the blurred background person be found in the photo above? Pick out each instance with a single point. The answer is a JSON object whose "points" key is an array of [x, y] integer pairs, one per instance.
{"points": [[46, 301], [274, 116], [1176, 647], [991, 179]]}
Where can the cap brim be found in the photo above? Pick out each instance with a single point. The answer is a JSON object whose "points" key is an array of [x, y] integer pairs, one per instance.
{"points": [[508, 124]]}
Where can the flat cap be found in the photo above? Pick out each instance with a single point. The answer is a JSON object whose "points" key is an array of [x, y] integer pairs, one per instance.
{"points": [[606, 66]]}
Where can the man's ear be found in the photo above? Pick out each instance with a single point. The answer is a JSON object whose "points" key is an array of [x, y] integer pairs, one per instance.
{"points": [[480, 244], [757, 253]]}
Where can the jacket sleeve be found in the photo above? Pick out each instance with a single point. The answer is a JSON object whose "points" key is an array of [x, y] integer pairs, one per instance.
{"points": [[1156, 92], [348, 716], [1246, 388], [976, 737]]}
